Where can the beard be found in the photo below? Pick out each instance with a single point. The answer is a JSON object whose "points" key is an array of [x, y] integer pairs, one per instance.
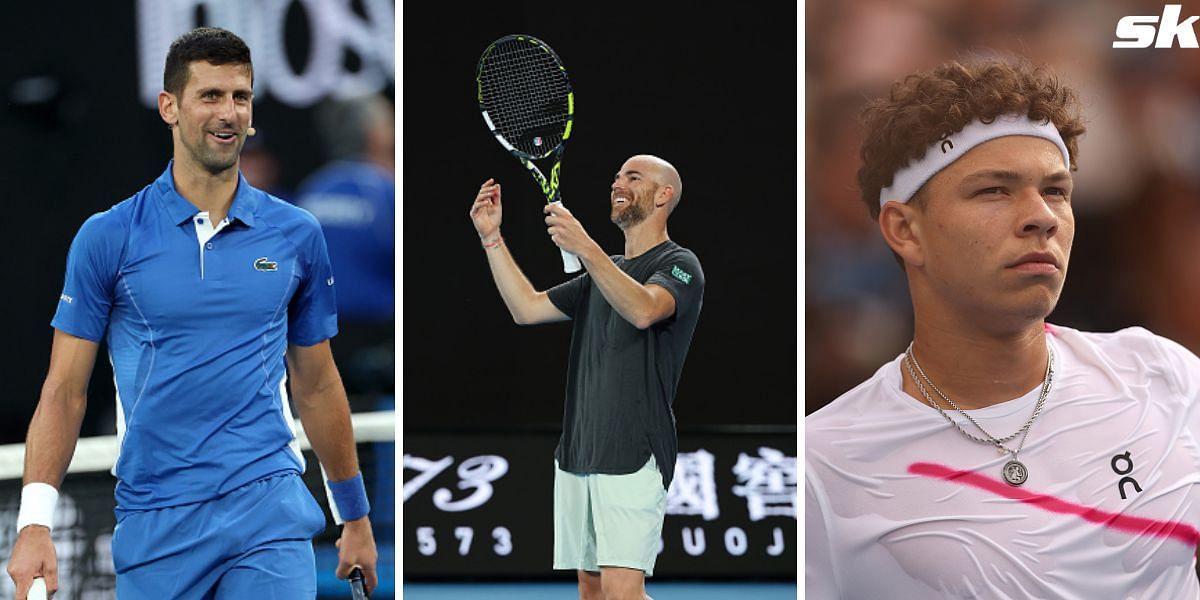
{"points": [[636, 210], [213, 161]]}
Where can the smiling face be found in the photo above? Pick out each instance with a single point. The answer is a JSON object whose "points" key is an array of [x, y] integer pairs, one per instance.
{"points": [[632, 192], [210, 116], [994, 237]]}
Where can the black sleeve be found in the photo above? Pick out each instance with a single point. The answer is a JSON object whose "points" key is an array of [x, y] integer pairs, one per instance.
{"points": [[567, 295], [680, 274]]}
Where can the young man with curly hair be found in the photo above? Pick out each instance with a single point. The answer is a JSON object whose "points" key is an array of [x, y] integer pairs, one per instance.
{"points": [[999, 456]]}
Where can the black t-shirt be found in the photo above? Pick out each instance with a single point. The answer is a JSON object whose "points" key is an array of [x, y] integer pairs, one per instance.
{"points": [[621, 381]]}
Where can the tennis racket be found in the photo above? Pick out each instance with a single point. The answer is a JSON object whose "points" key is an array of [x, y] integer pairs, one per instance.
{"points": [[37, 591], [528, 105], [358, 590]]}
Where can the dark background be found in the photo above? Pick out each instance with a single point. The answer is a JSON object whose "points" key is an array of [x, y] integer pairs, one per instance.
{"points": [[520, 503], [710, 88], [85, 145]]}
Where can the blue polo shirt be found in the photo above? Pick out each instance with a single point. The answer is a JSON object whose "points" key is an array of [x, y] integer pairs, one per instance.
{"points": [[196, 332]]}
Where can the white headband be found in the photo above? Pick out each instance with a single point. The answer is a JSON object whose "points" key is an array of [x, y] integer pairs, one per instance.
{"points": [[941, 153]]}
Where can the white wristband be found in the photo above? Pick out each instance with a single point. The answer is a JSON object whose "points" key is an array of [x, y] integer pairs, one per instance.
{"points": [[37, 505]]}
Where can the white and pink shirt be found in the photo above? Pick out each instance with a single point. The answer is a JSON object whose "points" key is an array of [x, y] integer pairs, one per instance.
{"points": [[899, 504]]}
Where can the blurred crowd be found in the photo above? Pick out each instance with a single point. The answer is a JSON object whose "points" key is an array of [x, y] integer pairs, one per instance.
{"points": [[353, 195], [1136, 257]]}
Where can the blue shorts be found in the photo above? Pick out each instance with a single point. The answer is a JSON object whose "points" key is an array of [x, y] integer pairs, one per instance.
{"points": [[254, 542]]}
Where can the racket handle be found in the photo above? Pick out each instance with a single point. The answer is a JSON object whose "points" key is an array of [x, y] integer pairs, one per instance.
{"points": [[358, 590], [37, 591], [571, 262]]}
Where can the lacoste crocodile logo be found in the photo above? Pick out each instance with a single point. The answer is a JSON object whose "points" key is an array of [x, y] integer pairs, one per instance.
{"points": [[263, 264]]}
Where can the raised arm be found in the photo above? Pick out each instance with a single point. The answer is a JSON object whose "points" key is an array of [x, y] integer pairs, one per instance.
{"points": [[641, 305], [325, 413], [526, 304], [49, 445]]}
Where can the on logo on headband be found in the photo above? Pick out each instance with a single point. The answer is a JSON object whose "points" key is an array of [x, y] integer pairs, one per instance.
{"points": [[907, 180]]}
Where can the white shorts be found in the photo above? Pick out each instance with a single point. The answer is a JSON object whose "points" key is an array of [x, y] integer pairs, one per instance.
{"points": [[608, 520]]}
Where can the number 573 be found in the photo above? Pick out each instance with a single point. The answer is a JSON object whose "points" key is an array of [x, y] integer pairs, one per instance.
{"points": [[427, 541]]}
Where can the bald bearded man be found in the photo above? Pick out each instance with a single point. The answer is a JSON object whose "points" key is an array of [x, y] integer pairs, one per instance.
{"points": [[633, 315]]}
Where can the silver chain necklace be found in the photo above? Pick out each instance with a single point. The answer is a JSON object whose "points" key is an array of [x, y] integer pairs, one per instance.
{"points": [[1014, 471]]}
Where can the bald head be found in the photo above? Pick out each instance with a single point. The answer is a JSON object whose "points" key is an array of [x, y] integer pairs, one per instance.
{"points": [[664, 174]]}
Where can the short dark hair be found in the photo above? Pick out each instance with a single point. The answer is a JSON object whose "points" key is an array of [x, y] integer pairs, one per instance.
{"points": [[211, 44], [923, 107]]}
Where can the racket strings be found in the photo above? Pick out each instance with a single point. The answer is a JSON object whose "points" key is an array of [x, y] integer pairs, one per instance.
{"points": [[524, 91]]}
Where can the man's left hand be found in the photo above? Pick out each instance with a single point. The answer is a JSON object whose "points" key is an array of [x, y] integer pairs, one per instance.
{"points": [[567, 233], [356, 548]]}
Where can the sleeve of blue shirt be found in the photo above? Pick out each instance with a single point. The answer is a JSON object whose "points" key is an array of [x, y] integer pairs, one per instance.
{"points": [[90, 284], [312, 313]]}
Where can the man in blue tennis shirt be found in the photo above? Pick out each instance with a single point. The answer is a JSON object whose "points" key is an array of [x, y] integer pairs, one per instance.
{"points": [[201, 286]]}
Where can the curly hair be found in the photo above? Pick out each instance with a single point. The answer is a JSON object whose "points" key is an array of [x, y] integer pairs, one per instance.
{"points": [[213, 45], [924, 107]]}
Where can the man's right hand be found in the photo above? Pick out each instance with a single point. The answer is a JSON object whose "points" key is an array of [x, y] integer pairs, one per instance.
{"points": [[485, 212], [33, 556]]}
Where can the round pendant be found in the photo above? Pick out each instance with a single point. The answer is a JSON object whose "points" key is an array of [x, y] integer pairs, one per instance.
{"points": [[1015, 472]]}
